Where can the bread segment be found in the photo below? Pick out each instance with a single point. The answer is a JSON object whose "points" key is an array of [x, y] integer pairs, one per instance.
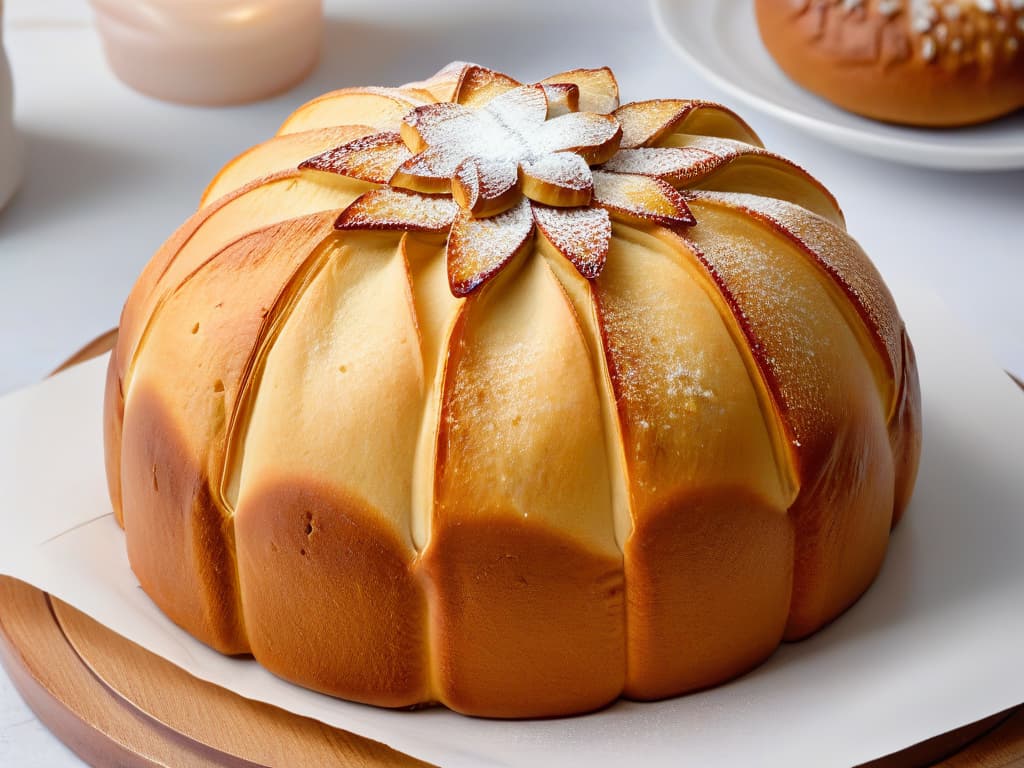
{"points": [[522, 568], [327, 452], [824, 389], [277, 198], [710, 555], [188, 380]]}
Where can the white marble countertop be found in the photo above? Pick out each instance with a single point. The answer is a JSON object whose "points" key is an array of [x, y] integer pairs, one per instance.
{"points": [[111, 173]]}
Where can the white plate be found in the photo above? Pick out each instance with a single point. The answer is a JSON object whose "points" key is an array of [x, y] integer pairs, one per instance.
{"points": [[720, 39]]}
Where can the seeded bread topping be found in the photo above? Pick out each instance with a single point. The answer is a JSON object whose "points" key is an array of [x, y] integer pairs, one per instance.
{"points": [[949, 33], [938, 63]]}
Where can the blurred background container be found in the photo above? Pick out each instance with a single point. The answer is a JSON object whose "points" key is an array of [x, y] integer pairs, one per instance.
{"points": [[210, 52], [10, 151]]}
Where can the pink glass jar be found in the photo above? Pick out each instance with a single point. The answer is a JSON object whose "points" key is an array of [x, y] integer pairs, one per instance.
{"points": [[210, 52]]}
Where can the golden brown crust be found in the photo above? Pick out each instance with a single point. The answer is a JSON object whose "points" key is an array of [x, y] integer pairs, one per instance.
{"points": [[178, 544], [525, 610], [920, 63], [330, 594], [708, 582]]}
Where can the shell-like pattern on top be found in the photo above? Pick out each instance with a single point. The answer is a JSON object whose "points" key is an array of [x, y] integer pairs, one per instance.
{"points": [[581, 401]]}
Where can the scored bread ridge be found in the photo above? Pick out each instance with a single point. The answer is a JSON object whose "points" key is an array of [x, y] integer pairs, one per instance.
{"points": [[396, 496]]}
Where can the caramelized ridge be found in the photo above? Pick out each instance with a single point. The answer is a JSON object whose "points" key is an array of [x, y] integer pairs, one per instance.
{"points": [[873, 319], [437, 315], [291, 293], [753, 169], [579, 294]]}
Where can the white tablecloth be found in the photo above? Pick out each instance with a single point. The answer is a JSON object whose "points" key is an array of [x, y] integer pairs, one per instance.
{"points": [[111, 173]]}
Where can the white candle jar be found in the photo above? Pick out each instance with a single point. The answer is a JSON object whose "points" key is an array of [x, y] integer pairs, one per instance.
{"points": [[10, 148], [210, 52]]}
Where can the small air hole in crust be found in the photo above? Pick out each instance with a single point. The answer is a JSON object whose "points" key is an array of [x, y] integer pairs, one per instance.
{"points": [[156, 485], [309, 525], [218, 386], [195, 329]]}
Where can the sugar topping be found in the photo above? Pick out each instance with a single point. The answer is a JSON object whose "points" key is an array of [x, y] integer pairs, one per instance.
{"points": [[498, 155], [479, 248], [580, 234]]}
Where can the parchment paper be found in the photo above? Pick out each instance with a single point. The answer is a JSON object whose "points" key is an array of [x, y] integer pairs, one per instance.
{"points": [[936, 643]]}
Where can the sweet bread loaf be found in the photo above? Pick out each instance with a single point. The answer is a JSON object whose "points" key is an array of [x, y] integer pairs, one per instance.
{"points": [[920, 62], [511, 398]]}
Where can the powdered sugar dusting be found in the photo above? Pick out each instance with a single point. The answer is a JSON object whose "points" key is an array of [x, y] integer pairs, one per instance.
{"points": [[576, 131], [479, 248], [509, 132], [562, 169], [809, 355], [725, 149], [431, 163], [676, 165], [388, 208], [665, 373], [519, 111], [497, 176], [580, 234]]}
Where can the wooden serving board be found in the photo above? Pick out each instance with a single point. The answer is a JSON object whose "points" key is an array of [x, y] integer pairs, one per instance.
{"points": [[115, 704]]}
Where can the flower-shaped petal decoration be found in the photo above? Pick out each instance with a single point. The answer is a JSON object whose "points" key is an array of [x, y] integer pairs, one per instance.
{"points": [[388, 208], [671, 164], [497, 159], [641, 198], [580, 234], [563, 98], [372, 158], [479, 247]]}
